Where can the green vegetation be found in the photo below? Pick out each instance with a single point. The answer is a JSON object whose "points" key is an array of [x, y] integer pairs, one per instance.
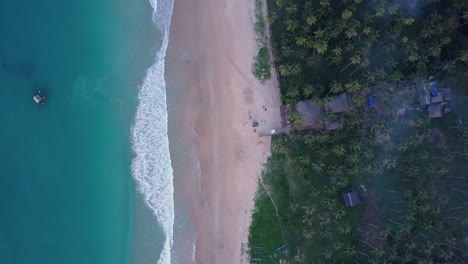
{"points": [[266, 231], [260, 25], [324, 47], [409, 171], [261, 68]]}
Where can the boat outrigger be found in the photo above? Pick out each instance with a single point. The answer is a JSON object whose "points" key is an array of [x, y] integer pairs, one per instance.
{"points": [[39, 98]]}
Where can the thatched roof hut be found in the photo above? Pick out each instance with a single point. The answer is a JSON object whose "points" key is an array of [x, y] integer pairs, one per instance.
{"points": [[331, 124], [339, 104], [434, 110], [310, 114]]}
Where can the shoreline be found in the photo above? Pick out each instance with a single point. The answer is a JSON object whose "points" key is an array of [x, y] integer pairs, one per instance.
{"points": [[214, 45]]}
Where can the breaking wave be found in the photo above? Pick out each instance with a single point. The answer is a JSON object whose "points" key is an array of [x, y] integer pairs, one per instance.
{"points": [[151, 166]]}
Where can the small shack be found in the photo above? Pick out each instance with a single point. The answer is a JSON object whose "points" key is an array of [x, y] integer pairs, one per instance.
{"points": [[437, 98], [331, 124], [339, 104], [310, 115], [434, 110], [424, 97], [351, 198]]}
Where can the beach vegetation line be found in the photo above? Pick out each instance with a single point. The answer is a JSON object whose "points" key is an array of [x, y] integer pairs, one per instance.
{"points": [[261, 68]]}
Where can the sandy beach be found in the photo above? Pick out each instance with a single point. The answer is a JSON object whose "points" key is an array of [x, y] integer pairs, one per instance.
{"points": [[212, 45]]}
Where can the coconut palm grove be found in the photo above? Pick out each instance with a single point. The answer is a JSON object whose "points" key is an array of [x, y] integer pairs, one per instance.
{"points": [[389, 184]]}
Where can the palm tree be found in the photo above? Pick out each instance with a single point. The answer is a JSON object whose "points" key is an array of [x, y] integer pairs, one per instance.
{"points": [[353, 158], [291, 25], [369, 154], [327, 254], [345, 229], [300, 258], [350, 250], [308, 90], [293, 207], [463, 54], [356, 146], [324, 3], [318, 166], [339, 150], [311, 20], [280, 3], [293, 93], [353, 86], [309, 233], [390, 163], [321, 46], [295, 70], [337, 246], [379, 252], [336, 87], [448, 65], [356, 59], [284, 70], [347, 14]]}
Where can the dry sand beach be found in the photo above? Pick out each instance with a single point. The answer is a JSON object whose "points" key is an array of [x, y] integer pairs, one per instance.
{"points": [[212, 45]]}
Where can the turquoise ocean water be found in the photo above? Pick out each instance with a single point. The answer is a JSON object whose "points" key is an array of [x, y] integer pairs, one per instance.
{"points": [[66, 189]]}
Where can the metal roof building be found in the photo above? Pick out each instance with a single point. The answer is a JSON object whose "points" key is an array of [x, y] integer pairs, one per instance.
{"points": [[351, 198]]}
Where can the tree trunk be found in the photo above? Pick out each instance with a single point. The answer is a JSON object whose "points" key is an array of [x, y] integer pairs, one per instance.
{"points": [[349, 64]]}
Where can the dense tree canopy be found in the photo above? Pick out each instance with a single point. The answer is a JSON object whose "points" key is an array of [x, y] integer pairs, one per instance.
{"points": [[410, 171], [330, 46]]}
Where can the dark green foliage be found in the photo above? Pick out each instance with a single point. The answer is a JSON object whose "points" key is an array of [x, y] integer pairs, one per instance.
{"points": [[413, 170], [358, 43], [413, 209]]}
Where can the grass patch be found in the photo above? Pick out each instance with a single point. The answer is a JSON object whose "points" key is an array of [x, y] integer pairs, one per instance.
{"points": [[261, 67], [265, 232], [268, 240], [260, 25]]}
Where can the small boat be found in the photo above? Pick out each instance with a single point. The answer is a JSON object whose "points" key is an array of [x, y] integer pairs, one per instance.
{"points": [[39, 98]]}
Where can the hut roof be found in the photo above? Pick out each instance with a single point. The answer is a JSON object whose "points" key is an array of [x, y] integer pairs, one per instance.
{"points": [[434, 110], [438, 98], [338, 104], [351, 198], [423, 93], [424, 100], [310, 114], [421, 88], [331, 124]]}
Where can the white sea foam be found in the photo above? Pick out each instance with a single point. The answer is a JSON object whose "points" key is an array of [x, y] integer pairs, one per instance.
{"points": [[151, 166]]}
